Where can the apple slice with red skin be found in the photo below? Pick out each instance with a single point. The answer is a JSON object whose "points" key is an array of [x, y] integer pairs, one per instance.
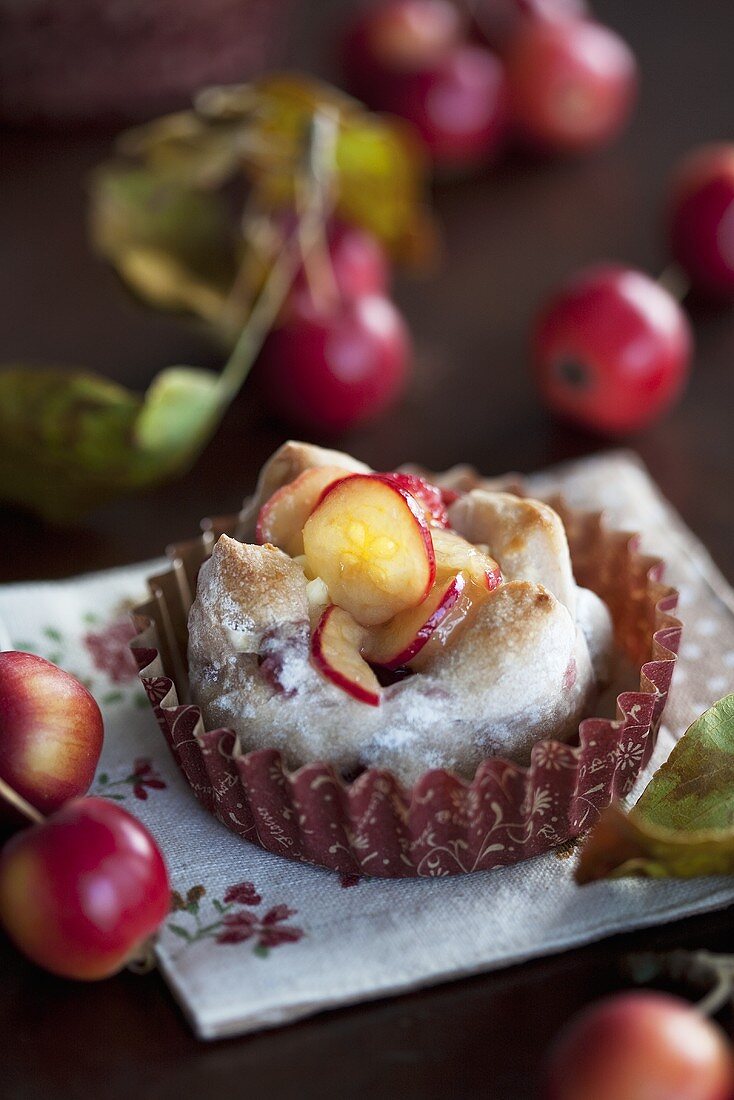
{"points": [[369, 541], [454, 553], [335, 648], [281, 519], [430, 497], [396, 643]]}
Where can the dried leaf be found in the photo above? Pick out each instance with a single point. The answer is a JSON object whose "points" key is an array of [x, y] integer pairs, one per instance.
{"points": [[156, 216], [70, 440], [683, 824], [170, 242]]}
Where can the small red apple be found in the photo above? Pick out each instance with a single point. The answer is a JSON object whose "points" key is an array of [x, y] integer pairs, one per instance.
{"points": [[397, 36], [611, 350], [701, 219], [81, 891], [499, 22], [458, 105], [571, 84], [327, 369], [50, 734], [640, 1045]]}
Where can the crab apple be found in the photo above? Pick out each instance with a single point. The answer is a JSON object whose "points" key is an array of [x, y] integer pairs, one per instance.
{"points": [[397, 36], [458, 105], [639, 1045], [50, 734], [499, 22], [359, 264], [81, 891], [327, 369], [571, 84], [701, 219], [611, 350]]}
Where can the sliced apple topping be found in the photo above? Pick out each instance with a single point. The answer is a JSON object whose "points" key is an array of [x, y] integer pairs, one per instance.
{"points": [[397, 642], [454, 553], [281, 518], [336, 651], [430, 497], [368, 539]]}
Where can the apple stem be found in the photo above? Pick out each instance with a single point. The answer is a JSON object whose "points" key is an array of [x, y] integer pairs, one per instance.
{"points": [[673, 279], [316, 185], [19, 803], [143, 961]]}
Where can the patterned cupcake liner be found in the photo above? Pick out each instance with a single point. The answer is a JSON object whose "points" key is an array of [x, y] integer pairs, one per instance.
{"points": [[444, 825]]}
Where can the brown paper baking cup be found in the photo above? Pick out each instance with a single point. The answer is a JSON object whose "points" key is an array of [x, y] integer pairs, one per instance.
{"points": [[443, 825]]}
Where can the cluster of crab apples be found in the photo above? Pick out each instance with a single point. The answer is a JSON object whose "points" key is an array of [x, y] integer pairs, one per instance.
{"points": [[84, 886], [388, 580]]}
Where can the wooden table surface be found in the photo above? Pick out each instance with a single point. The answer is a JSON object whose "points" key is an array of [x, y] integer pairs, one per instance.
{"points": [[509, 234]]}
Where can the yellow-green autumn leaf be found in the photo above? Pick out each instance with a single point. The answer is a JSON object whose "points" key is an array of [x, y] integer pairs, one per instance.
{"points": [[683, 824], [70, 440], [169, 241], [157, 216], [380, 167]]}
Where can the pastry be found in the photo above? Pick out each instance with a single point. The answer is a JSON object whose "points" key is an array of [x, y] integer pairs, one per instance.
{"points": [[374, 620]]}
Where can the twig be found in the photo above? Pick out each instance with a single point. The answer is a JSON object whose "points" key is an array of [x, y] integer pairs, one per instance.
{"points": [[19, 803]]}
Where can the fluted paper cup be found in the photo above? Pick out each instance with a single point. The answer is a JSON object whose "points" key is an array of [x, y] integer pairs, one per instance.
{"points": [[443, 825]]}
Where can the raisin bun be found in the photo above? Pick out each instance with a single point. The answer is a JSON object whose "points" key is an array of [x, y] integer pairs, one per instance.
{"points": [[358, 653]]}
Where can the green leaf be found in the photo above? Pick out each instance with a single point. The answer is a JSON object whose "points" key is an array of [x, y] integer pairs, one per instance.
{"points": [[179, 931], [683, 824], [182, 406], [694, 788], [112, 697], [52, 633], [70, 441], [170, 242], [261, 951], [103, 778], [218, 905]]}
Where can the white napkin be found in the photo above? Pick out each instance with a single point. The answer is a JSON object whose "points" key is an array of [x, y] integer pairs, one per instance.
{"points": [[293, 940]]}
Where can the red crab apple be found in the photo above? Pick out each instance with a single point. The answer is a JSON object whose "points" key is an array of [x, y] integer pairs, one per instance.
{"points": [[81, 891], [611, 350], [571, 84], [701, 219], [327, 369], [499, 22], [370, 543], [50, 733], [639, 1045], [336, 651], [359, 264], [458, 105], [397, 36]]}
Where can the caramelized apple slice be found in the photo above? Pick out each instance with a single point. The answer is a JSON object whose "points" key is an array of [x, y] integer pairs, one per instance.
{"points": [[397, 642], [281, 519], [428, 496], [369, 541], [454, 553], [335, 649]]}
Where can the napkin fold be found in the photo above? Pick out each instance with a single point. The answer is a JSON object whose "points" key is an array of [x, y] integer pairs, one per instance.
{"points": [[254, 940]]}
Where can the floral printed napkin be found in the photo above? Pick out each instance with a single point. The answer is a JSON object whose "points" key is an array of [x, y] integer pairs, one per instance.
{"points": [[254, 940]]}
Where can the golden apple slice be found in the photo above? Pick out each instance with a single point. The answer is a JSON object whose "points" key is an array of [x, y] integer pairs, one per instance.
{"points": [[369, 541], [281, 518], [454, 553], [335, 649], [397, 642]]}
